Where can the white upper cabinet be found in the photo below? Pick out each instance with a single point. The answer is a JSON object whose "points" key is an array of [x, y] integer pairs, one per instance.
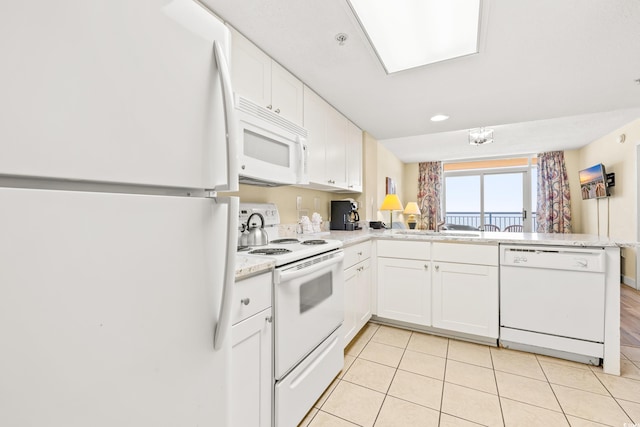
{"points": [[315, 124], [335, 146], [354, 157], [259, 78]]}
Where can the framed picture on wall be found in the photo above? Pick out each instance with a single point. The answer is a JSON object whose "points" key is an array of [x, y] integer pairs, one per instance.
{"points": [[391, 186]]}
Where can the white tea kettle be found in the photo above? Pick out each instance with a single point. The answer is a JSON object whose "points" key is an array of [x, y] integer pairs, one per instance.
{"points": [[257, 235]]}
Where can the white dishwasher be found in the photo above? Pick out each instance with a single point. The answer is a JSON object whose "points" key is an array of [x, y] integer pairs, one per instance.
{"points": [[552, 300]]}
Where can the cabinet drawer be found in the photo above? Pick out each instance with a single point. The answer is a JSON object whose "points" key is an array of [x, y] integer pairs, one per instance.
{"points": [[466, 254], [404, 249], [356, 253], [251, 296]]}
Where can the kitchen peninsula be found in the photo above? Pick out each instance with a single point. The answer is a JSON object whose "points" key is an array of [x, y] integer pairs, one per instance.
{"points": [[452, 283]]}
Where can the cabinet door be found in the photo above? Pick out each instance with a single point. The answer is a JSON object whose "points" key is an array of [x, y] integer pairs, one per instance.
{"points": [[354, 157], [251, 387], [250, 71], [404, 290], [315, 123], [363, 294], [286, 94], [350, 304], [335, 148], [465, 298]]}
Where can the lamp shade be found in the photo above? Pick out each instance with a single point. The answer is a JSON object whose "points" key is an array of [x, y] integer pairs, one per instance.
{"points": [[412, 209], [391, 202]]}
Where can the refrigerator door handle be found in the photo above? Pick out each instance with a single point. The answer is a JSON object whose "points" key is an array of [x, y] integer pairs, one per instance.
{"points": [[229, 119], [224, 318]]}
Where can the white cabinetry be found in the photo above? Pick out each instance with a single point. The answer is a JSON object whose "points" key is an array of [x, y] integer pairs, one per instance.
{"points": [[335, 146], [465, 288], [354, 157], [251, 355], [257, 77], [357, 290], [404, 281]]}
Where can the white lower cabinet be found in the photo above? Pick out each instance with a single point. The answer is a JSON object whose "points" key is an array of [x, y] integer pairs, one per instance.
{"points": [[404, 290], [357, 290], [465, 294], [252, 357]]}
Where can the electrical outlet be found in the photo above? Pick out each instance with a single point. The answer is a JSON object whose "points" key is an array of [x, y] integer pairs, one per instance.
{"points": [[316, 204], [298, 202]]}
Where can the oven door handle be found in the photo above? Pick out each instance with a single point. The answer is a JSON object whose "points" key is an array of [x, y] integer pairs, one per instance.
{"points": [[307, 267]]}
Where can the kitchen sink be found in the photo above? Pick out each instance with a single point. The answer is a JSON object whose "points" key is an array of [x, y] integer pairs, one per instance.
{"points": [[451, 233]]}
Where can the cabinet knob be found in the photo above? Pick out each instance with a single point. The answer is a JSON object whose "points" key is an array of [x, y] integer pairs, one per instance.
{"points": [[437, 268], [360, 253], [426, 266], [245, 301], [269, 319], [269, 106], [277, 110]]}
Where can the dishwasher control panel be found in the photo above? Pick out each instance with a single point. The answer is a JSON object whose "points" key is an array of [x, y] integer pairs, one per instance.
{"points": [[553, 257]]}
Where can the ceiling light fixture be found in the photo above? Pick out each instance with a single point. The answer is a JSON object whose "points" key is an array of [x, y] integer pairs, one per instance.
{"points": [[439, 118], [412, 33], [480, 136]]}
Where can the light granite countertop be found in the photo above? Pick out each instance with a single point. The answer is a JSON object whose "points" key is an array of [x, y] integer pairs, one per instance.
{"points": [[247, 266], [349, 238]]}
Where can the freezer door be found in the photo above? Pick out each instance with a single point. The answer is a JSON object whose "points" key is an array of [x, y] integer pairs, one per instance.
{"points": [[117, 91], [108, 306]]}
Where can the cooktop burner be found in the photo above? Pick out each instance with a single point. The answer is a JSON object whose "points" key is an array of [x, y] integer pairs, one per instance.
{"points": [[314, 242], [243, 248], [285, 241], [270, 251]]}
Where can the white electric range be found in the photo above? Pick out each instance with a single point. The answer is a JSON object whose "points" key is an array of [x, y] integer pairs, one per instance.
{"points": [[308, 300], [285, 249]]}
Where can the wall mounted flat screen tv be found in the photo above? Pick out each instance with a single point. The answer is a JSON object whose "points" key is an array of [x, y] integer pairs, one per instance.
{"points": [[593, 182]]}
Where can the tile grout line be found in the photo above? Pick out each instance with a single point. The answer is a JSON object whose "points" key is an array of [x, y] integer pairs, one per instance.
{"points": [[394, 375], [444, 377], [566, 417], [495, 378], [612, 396]]}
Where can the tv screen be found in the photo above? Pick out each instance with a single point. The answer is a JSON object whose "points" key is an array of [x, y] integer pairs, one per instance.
{"points": [[593, 182]]}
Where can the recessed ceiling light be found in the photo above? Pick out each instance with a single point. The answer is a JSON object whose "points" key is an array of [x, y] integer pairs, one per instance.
{"points": [[412, 33], [439, 118]]}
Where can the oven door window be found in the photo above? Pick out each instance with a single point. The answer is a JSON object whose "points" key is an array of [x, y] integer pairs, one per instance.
{"points": [[314, 292]]}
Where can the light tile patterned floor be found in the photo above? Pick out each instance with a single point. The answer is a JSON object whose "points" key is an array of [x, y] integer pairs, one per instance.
{"points": [[397, 378]]}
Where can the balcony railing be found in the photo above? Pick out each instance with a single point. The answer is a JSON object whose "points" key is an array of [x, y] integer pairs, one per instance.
{"points": [[499, 219]]}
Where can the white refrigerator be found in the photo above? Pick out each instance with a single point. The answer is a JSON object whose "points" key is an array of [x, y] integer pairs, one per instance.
{"points": [[116, 251]]}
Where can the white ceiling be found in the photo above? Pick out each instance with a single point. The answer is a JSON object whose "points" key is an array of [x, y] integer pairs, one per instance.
{"points": [[550, 74]]}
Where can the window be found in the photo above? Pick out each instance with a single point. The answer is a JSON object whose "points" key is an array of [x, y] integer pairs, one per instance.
{"points": [[491, 195]]}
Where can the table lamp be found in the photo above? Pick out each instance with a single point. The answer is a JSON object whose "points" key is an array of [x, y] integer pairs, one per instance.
{"points": [[412, 210], [391, 203]]}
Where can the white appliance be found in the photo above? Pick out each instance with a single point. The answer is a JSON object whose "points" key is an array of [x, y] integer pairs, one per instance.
{"points": [[552, 300], [273, 149], [116, 255], [308, 289]]}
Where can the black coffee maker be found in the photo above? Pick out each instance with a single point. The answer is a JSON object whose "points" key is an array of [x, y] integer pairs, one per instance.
{"points": [[344, 215]]}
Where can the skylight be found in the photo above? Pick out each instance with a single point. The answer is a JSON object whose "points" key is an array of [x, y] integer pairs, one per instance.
{"points": [[411, 33]]}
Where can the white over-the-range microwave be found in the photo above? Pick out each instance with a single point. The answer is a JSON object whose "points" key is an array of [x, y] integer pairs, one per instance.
{"points": [[273, 150]]}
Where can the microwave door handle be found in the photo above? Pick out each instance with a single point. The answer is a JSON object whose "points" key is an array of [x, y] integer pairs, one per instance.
{"points": [[229, 120], [302, 149], [223, 325], [286, 275]]}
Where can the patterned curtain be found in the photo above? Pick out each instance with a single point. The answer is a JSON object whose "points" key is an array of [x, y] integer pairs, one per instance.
{"points": [[429, 194], [554, 200]]}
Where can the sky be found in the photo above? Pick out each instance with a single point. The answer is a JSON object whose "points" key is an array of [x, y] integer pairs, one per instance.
{"points": [[502, 192]]}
